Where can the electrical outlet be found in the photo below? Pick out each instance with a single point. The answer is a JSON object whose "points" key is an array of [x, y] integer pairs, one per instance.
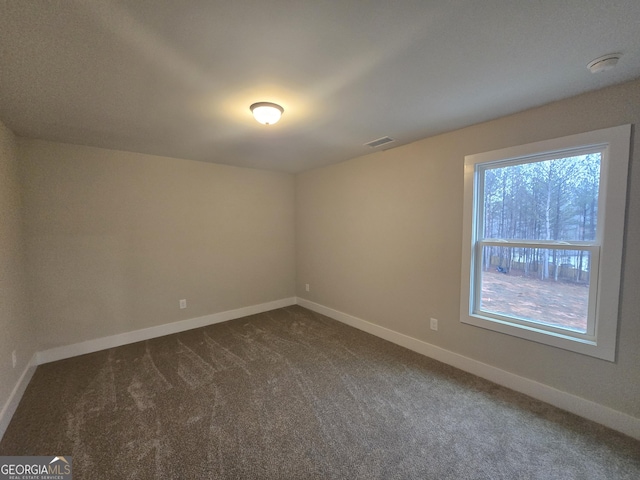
{"points": [[14, 358], [306, 287], [434, 324], [183, 303]]}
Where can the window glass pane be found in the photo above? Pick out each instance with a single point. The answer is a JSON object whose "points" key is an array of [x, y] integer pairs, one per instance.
{"points": [[541, 285], [548, 200]]}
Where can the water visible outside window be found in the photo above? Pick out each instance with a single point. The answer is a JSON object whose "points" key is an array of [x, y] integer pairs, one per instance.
{"points": [[553, 200]]}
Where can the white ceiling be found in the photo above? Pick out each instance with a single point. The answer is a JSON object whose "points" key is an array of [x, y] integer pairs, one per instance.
{"points": [[176, 78]]}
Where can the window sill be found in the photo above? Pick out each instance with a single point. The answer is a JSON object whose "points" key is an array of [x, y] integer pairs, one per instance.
{"points": [[540, 335]]}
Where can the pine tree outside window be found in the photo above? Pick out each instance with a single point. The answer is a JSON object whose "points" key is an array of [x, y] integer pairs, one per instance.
{"points": [[543, 230]]}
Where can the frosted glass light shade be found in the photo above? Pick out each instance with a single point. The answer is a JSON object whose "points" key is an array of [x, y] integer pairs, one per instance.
{"points": [[266, 113]]}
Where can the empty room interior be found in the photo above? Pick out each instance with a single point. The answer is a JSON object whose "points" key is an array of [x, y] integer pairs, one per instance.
{"points": [[421, 263]]}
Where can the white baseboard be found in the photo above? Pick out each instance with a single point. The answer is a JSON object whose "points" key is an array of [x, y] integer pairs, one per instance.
{"points": [[572, 403], [90, 346], [585, 408], [95, 345], [12, 402]]}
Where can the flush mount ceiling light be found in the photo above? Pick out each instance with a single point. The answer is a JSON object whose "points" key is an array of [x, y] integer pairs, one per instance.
{"points": [[266, 113], [606, 62]]}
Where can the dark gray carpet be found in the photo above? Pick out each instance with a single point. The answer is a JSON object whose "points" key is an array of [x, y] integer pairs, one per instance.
{"points": [[291, 394]]}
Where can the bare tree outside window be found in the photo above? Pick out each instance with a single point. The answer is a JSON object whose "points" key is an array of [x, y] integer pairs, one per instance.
{"points": [[542, 240], [540, 203]]}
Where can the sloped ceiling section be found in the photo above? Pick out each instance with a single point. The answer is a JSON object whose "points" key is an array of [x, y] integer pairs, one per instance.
{"points": [[177, 78]]}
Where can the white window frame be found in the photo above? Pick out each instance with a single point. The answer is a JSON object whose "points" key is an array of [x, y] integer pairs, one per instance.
{"points": [[606, 250]]}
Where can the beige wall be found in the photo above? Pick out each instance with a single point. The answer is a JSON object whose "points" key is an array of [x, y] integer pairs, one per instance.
{"points": [[116, 239], [16, 329], [379, 237]]}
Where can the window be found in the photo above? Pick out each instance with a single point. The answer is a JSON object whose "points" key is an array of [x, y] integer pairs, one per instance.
{"points": [[542, 240]]}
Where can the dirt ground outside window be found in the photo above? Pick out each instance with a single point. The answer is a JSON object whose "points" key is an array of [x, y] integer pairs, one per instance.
{"points": [[551, 302]]}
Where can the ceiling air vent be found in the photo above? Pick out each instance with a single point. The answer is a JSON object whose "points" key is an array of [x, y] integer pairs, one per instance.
{"points": [[379, 142]]}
